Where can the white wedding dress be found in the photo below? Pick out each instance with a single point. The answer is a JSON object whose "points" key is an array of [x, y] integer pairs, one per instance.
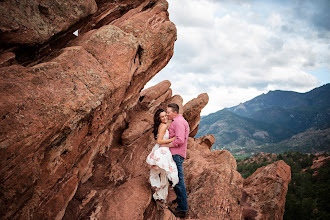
{"points": [[162, 169]]}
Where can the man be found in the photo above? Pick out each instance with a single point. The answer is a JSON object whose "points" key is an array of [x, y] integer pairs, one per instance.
{"points": [[179, 128]]}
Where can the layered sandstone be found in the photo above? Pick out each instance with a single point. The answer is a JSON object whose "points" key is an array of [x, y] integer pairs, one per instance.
{"points": [[192, 111], [61, 117], [34, 22], [213, 184], [319, 162], [264, 192], [76, 125]]}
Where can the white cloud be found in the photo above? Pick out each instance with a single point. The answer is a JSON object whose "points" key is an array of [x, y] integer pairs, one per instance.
{"points": [[228, 96], [234, 52], [192, 12], [275, 20]]}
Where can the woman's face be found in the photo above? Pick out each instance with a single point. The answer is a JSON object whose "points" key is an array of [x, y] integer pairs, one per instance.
{"points": [[163, 117]]}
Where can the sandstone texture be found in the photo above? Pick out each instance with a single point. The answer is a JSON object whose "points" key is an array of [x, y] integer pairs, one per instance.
{"points": [[62, 116], [192, 111], [76, 124], [213, 184], [264, 192], [319, 162], [34, 22]]}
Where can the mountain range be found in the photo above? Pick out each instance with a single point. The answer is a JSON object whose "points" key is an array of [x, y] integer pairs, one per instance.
{"points": [[275, 122]]}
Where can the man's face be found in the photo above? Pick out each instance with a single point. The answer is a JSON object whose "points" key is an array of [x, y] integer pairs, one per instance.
{"points": [[169, 113]]}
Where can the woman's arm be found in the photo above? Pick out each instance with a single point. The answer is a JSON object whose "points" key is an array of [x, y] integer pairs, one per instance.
{"points": [[161, 133]]}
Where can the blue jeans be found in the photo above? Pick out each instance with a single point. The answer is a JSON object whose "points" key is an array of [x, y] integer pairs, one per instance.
{"points": [[180, 188]]}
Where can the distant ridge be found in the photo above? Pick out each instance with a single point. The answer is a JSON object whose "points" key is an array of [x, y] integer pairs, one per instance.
{"points": [[272, 119], [318, 97]]}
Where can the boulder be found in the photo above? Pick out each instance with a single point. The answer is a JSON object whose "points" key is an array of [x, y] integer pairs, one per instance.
{"points": [[264, 192], [192, 111], [35, 22], [141, 123], [214, 187], [319, 162], [7, 59], [177, 99], [155, 96], [151, 94], [207, 140], [128, 201]]}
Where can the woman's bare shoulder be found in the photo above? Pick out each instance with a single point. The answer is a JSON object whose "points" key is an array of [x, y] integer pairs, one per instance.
{"points": [[162, 129], [162, 126]]}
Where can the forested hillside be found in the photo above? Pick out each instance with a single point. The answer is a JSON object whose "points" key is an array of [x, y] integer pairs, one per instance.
{"points": [[308, 196]]}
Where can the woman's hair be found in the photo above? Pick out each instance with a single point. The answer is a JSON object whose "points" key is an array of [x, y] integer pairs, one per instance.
{"points": [[157, 122]]}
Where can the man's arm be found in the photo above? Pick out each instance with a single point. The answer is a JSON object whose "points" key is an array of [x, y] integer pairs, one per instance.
{"points": [[161, 133], [179, 134]]}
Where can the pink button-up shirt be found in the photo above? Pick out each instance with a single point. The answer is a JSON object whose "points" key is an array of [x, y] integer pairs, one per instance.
{"points": [[179, 128]]}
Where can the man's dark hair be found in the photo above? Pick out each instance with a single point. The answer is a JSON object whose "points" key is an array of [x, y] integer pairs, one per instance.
{"points": [[174, 107]]}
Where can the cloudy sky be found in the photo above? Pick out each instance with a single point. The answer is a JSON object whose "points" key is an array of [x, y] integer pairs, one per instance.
{"points": [[235, 50]]}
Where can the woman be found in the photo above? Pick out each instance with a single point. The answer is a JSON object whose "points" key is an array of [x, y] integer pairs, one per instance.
{"points": [[162, 166]]}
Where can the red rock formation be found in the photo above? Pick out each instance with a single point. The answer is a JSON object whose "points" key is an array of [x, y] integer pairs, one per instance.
{"points": [[318, 162], [213, 184], [34, 22], [133, 195], [76, 128], [156, 95], [264, 192], [7, 59], [63, 116], [192, 111], [179, 101]]}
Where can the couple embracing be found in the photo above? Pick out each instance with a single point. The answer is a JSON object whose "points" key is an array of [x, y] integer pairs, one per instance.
{"points": [[167, 156]]}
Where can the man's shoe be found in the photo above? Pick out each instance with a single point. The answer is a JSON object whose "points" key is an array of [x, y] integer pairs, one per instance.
{"points": [[177, 213]]}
